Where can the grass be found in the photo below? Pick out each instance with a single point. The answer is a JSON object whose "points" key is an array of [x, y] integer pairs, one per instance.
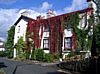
{"points": [[2, 71]]}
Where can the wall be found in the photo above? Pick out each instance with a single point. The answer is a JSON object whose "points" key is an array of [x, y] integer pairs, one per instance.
{"points": [[21, 32]]}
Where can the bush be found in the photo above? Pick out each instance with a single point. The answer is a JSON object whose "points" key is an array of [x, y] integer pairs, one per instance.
{"points": [[39, 54], [33, 55], [21, 57], [71, 54], [9, 53], [27, 54], [56, 56], [48, 57], [2, 54]]}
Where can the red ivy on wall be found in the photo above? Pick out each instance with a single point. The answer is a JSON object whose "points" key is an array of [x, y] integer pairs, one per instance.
{"points": [[56, 31]]}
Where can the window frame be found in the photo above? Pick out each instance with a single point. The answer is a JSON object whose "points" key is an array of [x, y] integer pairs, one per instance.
{"points": [[71, 43], [46, 48]]}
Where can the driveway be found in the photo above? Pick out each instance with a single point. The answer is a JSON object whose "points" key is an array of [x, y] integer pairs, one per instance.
{"points": [[18, 67]]}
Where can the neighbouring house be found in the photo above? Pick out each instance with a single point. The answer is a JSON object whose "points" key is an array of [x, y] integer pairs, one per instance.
{"points": [[50, 34], [2, 47]]}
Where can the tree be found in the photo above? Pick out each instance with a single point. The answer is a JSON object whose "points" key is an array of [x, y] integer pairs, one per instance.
{"points": [[96, 32], [10, 41], [98, 5]]}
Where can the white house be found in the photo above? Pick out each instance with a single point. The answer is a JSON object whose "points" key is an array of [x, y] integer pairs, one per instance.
{"points": [[20, 28], [2, 48]]}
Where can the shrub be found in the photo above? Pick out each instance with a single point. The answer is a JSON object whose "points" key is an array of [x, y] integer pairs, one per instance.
{"points": [[56, 56], [71, 54], [33, 55], [39, 54], [21, 57], [48, 57], [9, 53], [2, 54], [27, 54]]}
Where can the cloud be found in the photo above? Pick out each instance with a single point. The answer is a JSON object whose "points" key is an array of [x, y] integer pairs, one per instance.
{"points": [[9, 16], [76, 5], [7, 1], [46, 5]]}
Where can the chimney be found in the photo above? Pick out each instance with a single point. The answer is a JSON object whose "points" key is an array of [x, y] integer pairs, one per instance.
{"points": [[89, 0], [50, 13], [39, 18], [25, 13]]}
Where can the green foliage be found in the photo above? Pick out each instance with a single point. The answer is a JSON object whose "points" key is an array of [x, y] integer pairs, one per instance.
{"points": [[21, 57], [48, 57], [2, 54], [71, 21], [27, 54], [9, 53], [20, 46], [56, 56], [33, 55], [77, 52], [10, 40], [71, 54], [97, 36], [39, 54]]}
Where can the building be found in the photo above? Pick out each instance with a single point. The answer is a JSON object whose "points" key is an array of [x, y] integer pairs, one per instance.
{"points": [[2, 47], [20, 28], [50, 34]]}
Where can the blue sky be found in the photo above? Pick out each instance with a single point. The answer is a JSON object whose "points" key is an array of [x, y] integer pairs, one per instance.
{"points": [[57, 4], [10, 10]]}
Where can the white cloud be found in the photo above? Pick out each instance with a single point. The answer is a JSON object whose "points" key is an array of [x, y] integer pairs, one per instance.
{"points": [[46, 5], [7, 1], [76, 5], [9, 16]]}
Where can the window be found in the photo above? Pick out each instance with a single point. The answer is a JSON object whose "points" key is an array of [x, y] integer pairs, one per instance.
{"points": [[68, 43], [46, 28], [46, 43], [18, 29]]}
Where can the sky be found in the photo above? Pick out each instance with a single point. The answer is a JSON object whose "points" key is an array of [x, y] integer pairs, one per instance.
{"points": [[10, 10]]}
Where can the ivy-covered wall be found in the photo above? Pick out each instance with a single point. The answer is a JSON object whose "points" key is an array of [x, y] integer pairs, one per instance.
{"points": [[57, 25]]}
